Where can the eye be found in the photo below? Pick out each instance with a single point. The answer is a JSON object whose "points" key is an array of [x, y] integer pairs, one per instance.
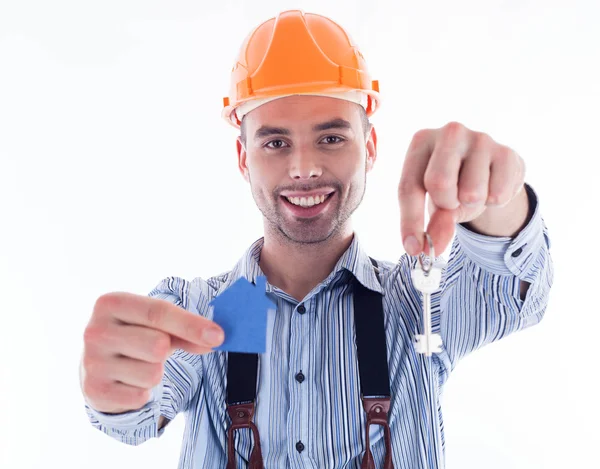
{"points": [[275, 144], [332, 139]]}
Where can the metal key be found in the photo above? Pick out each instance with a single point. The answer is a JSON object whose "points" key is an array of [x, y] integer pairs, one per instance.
{"points": [[427, 281]]}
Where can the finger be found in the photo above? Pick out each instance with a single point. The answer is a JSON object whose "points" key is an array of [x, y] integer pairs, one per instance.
{"points": [[504, 166], [441, 229], [114, 397], [474, 177], [441, 177], [163, 316], [138, 342], [133, 372], [123, 369], [411, 190]]}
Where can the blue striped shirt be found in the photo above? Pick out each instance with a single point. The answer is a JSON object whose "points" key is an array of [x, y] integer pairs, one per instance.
{"points": [[478, 303]]}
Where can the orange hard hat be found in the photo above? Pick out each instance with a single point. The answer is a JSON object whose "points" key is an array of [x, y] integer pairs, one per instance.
{"points": [[297, 53]]}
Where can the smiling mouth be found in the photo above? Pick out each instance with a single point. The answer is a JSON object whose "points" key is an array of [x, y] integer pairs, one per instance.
{"points": [[307, 207], [308, 201]]}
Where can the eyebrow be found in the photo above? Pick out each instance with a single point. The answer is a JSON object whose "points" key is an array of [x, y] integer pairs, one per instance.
{"points": [[333, 124], [267, 131]]}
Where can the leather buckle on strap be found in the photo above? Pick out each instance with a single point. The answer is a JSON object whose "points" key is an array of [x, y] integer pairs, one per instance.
{"points": [[241, 417], [377, 409]]}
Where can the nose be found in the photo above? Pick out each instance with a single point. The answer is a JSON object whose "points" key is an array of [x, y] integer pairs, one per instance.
{"points": [[304, 164]]}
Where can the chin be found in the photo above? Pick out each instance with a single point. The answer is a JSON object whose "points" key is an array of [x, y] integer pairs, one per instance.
{"points": [[300, 236]]}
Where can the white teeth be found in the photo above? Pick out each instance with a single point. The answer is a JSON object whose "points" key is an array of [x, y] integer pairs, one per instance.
{"points": [[307, 201]]}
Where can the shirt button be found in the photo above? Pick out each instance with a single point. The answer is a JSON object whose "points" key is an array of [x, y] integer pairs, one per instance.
{"points": [[299, 446], [300, 377], [517, 252], [301, 309]]}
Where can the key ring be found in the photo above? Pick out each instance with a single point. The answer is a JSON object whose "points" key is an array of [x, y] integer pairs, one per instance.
{"points": [[431, 254]]}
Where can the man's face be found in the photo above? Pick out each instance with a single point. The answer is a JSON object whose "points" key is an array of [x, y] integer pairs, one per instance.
{"points": [[306, 158]]}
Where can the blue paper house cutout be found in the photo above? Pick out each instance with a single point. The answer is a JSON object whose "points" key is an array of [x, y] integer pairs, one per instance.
{"points": [[241, 310]]}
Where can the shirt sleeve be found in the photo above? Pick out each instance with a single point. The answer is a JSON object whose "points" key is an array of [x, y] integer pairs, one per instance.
{"points": [[479, 301], [182, 379]]}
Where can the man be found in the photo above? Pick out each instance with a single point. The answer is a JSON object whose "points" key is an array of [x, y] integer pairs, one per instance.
{"points": [[301, 95]]}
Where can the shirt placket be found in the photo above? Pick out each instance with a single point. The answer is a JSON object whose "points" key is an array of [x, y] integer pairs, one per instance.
{"points": [[298, 379]]}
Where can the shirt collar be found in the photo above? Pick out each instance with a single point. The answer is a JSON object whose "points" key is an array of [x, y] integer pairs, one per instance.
{"points": [[354, 260]]}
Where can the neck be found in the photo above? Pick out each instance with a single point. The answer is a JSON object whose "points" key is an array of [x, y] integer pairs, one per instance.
{"points": [[297, 268]]}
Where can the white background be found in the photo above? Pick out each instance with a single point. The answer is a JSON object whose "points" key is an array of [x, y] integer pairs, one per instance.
{"points": [[112, 151]]}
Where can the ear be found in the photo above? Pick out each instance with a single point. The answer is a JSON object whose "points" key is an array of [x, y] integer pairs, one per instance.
{"points": [[371, 148], [242, 163]]}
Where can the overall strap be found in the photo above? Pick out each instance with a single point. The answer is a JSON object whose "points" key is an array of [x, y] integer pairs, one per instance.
{"points": [[242, 371], [372, 366], [370, 341]]}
